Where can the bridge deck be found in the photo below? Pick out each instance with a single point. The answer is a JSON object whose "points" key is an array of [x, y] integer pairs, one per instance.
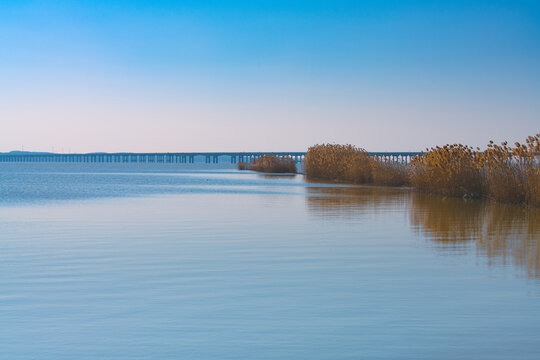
{"points": [[184, 157]]}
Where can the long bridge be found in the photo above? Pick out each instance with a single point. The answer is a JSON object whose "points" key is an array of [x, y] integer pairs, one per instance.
{"points": [[179, 158]]}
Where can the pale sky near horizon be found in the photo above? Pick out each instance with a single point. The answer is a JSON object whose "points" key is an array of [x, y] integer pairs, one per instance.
{"points": [[160, 76]]}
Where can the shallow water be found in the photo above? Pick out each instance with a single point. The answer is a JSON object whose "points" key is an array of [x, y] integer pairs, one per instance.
{"points": [[170, 262]]}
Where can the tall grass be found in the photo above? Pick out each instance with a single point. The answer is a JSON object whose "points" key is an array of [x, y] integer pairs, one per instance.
{"points": [[338, 163], [451, 170], [511, 172], [389, 173], [501, 172], [242, 165], [270, 164], [347, 163], [504, 179], [533, 186]]}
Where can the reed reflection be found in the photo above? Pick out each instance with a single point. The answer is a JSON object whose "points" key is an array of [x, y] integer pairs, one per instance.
{"points": [[276, 176], [351, 201], [501, 233]]}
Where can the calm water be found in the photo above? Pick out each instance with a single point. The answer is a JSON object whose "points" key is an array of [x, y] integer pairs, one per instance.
{"points": [[166, 262]]}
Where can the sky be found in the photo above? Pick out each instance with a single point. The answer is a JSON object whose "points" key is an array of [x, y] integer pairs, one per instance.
{"points": [[173, 76]]}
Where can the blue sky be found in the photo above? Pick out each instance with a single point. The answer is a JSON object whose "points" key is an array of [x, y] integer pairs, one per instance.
{"points": [[85, 76]]}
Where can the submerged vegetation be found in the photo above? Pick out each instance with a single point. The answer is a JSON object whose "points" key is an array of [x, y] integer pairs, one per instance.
{"points": [[270, 164], [501, 172]]}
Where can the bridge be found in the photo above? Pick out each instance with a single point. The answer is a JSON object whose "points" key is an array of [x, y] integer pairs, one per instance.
{"points": [[178, 158]]}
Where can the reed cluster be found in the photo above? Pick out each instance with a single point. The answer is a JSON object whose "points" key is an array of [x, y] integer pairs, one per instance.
{"points": [[512, 173], [270, 164], [450, 170], [389, 173], [347, 163], [338, 163], [501, 172], [242, 165]]}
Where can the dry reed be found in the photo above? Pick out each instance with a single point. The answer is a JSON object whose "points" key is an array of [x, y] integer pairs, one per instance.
{"points": [[533, 186], [338, 163], [270, 164], [347, 163], [511, 172], [501, 172], [451, 170], [242, 165], [389, 173]]}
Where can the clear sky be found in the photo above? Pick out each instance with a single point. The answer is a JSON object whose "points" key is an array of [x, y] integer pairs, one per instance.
{"points": [[81, 76]]}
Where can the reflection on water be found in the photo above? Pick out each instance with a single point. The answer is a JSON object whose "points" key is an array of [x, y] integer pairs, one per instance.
{"points": [[501, 233], [277, 176], [346, 201], [446, 220]]}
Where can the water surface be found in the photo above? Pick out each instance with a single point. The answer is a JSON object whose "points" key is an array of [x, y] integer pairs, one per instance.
{"points": [[169, 262]]}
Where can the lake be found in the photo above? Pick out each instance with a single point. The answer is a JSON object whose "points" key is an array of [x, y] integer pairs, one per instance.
{"points": [[147, 261]]}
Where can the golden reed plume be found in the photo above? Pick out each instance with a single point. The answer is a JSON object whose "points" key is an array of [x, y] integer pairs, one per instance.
{"points": [[501, 172]]}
